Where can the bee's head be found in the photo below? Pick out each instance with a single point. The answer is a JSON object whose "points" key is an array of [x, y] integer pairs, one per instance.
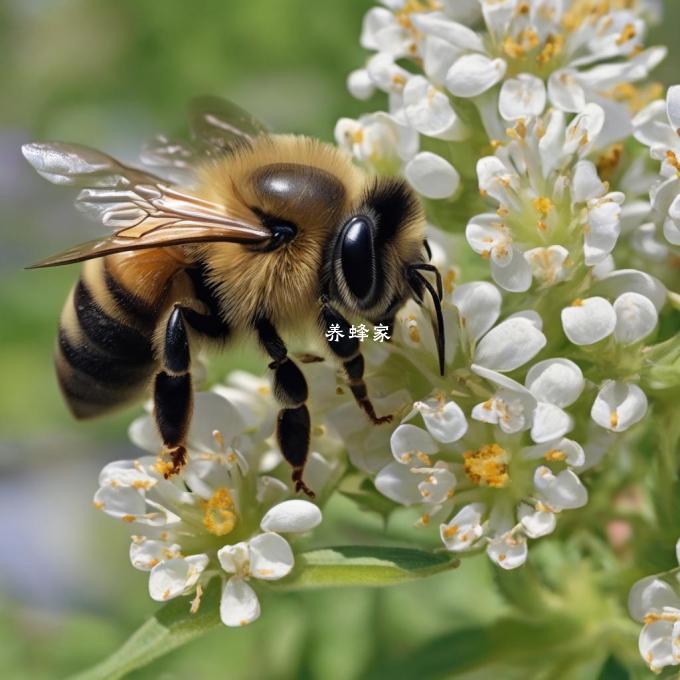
{"points": [[379, 253]]}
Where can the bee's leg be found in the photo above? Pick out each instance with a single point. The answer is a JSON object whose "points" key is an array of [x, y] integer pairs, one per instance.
{"points": [[290, 389], [348, 351], [173, 392]]}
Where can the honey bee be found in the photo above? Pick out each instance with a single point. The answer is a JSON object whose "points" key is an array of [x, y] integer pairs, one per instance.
{"points": [[263, 234]]}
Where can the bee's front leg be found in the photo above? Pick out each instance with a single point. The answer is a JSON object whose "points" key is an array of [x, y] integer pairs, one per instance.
{"points": [[290, 389], [347, 350]]}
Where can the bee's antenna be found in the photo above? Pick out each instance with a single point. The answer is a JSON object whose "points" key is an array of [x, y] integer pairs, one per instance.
{"points": [[436, 296]]}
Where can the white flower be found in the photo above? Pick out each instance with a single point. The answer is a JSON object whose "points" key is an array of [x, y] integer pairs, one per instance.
{"points": [[180, 523], [553, 212], [452, 458], [432, 176], [654, 602], [656, 127], [619, 405]]}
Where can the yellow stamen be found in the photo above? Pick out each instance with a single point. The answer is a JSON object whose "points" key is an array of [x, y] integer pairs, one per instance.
{"points": [[219, 516], [487, 466]]}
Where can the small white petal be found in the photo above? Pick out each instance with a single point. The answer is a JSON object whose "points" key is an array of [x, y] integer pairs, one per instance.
{"points": [[444, 421], [473, 74], [398, 483], [271, 557], [557, 381], [586, 183], [536, 523], [171, 578], [143, 432], [407, 440], [360, 85], [295, 515], [522, 97], [439, 25], [656, 644], [565, 92], [508, 551], [618, 406], [636, 318], [464, 529], [479, 306], [651, 594], [147, 553], [564, 449], [432, 176], [509, 345], [588, 321], [548, 265], [673, 106], [550, 423], [516, 276], [564, 490], [239, 605], [234, 558]]}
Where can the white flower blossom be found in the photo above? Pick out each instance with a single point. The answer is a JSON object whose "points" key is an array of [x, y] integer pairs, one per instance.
{"points": [[219, 499], [654, 601]]}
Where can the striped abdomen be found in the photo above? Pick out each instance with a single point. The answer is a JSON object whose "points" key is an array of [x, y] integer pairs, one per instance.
{"points": [[104, 356]]}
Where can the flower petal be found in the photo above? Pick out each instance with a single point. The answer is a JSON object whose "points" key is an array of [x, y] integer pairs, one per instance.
{"points": [[651, 594], [522, 97], [295, 515], [509, 345], [445, 421], [588, 321], [536, 523], [171, 578], [618, 406], [508, 551], [408, 440], [432, 176], [636, 318], [399, 484], [479, 306], [239, 605], [473, 74], [564, 490], [463, 530], [550, 423], [556, 381], [271, 557]]}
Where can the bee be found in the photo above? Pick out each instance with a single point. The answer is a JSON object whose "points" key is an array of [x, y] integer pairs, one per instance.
{"points": [[247, 233]]}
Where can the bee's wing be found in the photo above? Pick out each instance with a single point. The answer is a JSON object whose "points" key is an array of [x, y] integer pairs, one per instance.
{"points": [[220, 124], [142, 210]]}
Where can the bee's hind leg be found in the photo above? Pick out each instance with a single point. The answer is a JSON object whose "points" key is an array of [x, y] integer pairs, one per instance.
{"points": [[173, 391], [290, 389]]}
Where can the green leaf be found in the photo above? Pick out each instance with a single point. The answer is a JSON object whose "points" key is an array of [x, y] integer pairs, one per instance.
{"points": [[362, 566], [173, 625]]}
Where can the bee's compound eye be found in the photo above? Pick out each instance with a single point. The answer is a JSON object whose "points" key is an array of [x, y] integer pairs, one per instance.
{"points": [[358, 257]]}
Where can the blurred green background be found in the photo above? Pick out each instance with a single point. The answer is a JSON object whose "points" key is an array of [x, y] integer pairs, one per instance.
{"points": [[111, 74]]}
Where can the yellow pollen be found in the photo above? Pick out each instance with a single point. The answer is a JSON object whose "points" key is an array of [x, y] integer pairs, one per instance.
{"points": [[265, 572], [166, 594], [672, 159], [552, 47], [196, 602], [425, 519], [357, 136], [399, 80], [406, 457], [339, 390], [541, 226], [628, 33], [651, 617], [141, 484], [501, 557], [414, 333], [423, 458], [502, 212], [98, 505], [555, 454], [128, 518], [513, 49], [219, 517], [543, 205], [523, 8], [451, 531], [449, 281], [614, 419], [163, 467], [577, 303], [488, 466], [152, 562], [263, 391]]}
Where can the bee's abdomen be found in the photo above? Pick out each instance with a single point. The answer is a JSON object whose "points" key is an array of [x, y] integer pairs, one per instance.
{"points": [[104, 356]]}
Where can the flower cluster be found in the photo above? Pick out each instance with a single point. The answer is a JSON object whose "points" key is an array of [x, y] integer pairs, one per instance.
{"points": [[523, 125], [223, 516]]}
